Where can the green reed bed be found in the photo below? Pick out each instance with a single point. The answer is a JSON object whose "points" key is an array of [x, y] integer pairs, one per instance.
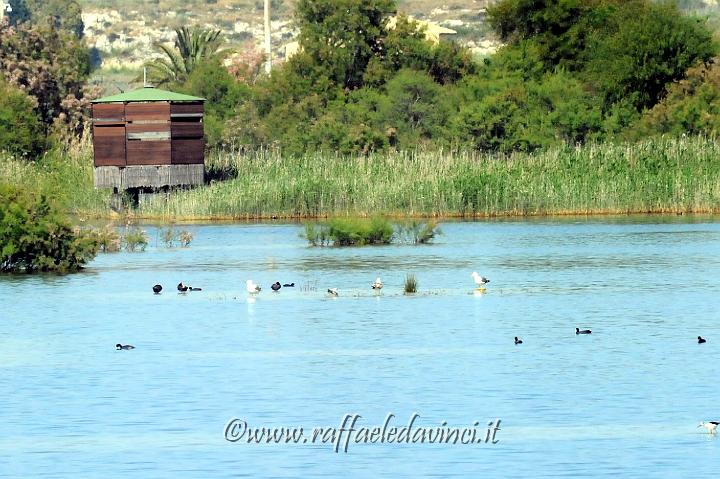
{"points": [[63, 174], [658, 175]]}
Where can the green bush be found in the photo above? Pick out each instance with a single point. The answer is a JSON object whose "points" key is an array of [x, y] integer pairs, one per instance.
{"points": [[350, 232], [35, 237], [21, 132], [360, 231]]}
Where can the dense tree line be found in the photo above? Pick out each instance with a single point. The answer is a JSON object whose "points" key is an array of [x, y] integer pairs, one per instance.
{"points": [[570, 71]]}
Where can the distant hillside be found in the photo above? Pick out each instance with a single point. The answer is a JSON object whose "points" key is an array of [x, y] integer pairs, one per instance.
{"points": [[124, 31]]}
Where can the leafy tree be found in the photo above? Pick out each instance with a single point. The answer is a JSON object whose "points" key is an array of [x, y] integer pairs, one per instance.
{"points": [[405, 46], [48, 64], [648, 48], [21, 132], [343, 35], [692, 106], [35, 237], [191, 48], [212, 81], [415, 107]]}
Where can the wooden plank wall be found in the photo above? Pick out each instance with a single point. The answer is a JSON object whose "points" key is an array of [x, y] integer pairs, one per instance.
{"points": [[188, 144], [158, 133], [109, 145], [108, 112], [147, 112], [148, 152], [109, 134]]}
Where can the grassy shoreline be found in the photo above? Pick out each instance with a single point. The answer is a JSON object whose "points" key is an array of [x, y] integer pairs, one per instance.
{"points": [[661, 175]]}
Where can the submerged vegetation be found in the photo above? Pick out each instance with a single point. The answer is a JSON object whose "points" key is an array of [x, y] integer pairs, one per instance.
{"points": [[411, 284], [369, 231]]}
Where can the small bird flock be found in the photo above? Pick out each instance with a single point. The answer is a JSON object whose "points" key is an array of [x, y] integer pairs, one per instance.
{"points": [[480, 282]]}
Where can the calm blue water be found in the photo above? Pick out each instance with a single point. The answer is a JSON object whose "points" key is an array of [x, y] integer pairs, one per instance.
{"points": [[625, 400]]}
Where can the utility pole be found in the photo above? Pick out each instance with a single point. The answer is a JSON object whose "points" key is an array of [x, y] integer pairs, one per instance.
{"points": [[268, 46]]}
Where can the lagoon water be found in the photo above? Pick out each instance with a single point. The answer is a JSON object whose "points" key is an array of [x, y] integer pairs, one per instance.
{"points": [[625, 400]]}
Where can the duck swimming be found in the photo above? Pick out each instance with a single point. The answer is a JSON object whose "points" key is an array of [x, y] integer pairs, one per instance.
{"points": [[289, 285], [518, 341], [377, 284], [276, 286], [333, 292], [157, 288], [126, 347], [583, 331], [701, 340], [181, 287]]}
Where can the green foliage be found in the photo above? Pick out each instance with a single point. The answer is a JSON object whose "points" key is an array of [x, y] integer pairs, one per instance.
{"points": [[360, 231], [341, 36], [416, 107], [211, 80], [35, 237], [21, 132], [417, 232], [692, 107], [134, 239], [648, 47], [51, 66], [411, 284], [350, 232], [192, 47]]}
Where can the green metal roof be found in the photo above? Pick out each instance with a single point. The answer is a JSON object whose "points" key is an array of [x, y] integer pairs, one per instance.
{"points": [[147, 94]]}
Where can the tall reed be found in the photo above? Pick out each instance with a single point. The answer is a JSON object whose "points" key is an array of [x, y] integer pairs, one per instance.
{"points": [[657, 175]]}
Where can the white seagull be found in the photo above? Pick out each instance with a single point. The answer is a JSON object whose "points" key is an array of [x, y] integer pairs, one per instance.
{"points": [[251, 287], [711, 426], [480, 281], [377, 284]]}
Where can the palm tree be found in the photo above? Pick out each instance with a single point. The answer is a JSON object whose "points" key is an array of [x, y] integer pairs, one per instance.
{"points": [[191, 48]]}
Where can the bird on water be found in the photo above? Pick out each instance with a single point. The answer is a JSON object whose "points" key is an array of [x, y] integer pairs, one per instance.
{"points": [[276, 286], [711, 426], [582, 331], [701, 340], [518, 341], [126, 347], [289, 285], [377, 284], [182, 288], [157, 288], [480, 281], [333, 292], [251, 287]]}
